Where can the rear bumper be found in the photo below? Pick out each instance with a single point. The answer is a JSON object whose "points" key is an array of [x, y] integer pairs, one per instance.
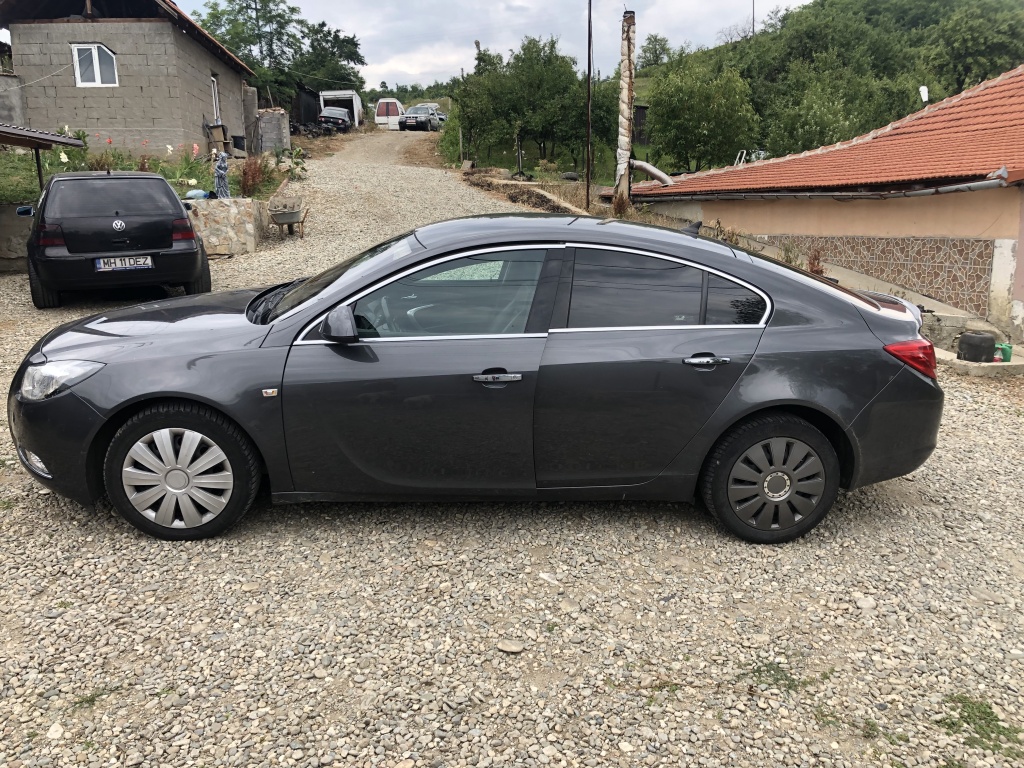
{"points": [[898, 430], [78, 272], [57, 430]]}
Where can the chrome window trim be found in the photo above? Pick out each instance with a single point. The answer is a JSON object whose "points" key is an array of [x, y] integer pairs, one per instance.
{"points": [[698, 326], [724, 275], [396, 339], [300, 339]]}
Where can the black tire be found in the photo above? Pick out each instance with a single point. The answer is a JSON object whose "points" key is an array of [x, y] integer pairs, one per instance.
{"points": [[203, 283], [787, 496], [241, 463], [43, 296]]}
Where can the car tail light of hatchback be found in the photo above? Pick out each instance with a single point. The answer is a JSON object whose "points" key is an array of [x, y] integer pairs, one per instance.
{"points": [[919, 354], [48, 235], [181, 229]]}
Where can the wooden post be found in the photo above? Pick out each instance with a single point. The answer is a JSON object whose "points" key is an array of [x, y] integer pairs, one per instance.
{"points": [[589, 160], [39, 168], [462, 156]]}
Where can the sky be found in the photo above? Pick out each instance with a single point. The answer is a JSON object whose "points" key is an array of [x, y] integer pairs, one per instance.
{"points": [[410, 41]]}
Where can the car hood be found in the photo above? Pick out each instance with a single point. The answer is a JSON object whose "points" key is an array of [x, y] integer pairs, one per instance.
{"points": [[211, 322]]}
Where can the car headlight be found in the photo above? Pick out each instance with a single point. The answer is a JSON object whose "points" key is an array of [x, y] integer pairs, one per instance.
{"points": [[42, 381]]}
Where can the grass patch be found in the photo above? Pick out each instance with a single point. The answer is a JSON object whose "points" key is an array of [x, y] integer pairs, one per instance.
{"points": [[979, 721], [774, 675], [869, 729], [90, 699], [825, 716], [550, 627], [20, 184]]}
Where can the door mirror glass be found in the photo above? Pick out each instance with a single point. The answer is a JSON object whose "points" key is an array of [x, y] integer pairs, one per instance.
{"points": [[26, 210], [340, 326]]}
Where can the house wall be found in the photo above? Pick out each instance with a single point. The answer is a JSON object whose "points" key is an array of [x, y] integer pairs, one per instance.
{"points": [[195, 66], [164, 90], [960, 248]]}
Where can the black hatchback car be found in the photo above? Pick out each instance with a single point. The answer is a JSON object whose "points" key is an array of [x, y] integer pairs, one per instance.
{"points": [[95, 230], [337, 118], [502, 357]]}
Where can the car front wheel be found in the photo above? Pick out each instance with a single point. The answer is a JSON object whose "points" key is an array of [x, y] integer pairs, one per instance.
{"points": [[181, 471], [771, 479]]}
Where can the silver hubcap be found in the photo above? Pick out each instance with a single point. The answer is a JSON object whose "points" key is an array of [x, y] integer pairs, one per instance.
{"points": [[177, 478], [776, 483]]}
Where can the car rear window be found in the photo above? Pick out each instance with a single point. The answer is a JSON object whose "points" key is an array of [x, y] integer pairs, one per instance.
{"points": [[731, 304], [335, 112], [105, 196]]}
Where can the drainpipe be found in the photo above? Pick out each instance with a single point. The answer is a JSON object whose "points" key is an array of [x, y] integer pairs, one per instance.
{"points": [[88, 9], [625, 146]]}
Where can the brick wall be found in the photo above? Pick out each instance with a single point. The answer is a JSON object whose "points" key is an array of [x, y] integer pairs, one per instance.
{"points": [[164, 86]]}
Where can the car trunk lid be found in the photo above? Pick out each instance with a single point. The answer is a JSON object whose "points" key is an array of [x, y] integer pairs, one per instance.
{"points": [[110, 214]]}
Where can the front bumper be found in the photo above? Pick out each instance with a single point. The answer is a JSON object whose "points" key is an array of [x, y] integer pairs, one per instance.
{"points": [[78, 272], [59, 431], [898, 430]]}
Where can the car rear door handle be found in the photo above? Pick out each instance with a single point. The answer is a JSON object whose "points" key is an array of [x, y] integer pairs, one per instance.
{"points": [[706, 360], [497, 378]]}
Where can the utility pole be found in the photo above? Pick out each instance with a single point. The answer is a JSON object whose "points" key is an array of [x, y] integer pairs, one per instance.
{"points": [[625, 144], [589, 160]]}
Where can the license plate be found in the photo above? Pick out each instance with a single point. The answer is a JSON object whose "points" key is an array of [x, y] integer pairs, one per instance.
{"points": [[124, 262]]}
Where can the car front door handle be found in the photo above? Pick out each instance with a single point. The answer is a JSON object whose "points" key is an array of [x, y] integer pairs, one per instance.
{"points": [[706, 360], [497, 378]]}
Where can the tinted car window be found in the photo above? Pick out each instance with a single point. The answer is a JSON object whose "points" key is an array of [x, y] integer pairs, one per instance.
{"points": [[335, 112], [731, 304], [107, 196], [611, 289], [418, 111], [484, 294]]}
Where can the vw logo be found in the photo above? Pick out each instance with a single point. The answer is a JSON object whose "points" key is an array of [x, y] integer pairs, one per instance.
{"points": [[119, 226]]}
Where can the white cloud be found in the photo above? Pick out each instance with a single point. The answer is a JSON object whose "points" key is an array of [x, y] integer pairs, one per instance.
{"points": [[406, 41]]}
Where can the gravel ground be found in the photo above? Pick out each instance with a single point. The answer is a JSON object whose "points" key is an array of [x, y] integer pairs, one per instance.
{"points": [[514, 634]]}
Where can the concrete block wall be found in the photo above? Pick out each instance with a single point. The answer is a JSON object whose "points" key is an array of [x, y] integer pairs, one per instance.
{"points": [[195, 66], [164, 90]]}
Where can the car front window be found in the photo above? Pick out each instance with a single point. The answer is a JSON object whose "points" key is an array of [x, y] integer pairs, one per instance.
{"points": [[309, 289]]}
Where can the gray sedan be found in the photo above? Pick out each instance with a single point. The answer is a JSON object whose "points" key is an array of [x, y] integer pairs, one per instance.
{"points": [[508, 357]]}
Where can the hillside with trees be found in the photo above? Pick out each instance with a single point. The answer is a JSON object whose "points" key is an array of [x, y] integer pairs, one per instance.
{"points": [[819, 74]]}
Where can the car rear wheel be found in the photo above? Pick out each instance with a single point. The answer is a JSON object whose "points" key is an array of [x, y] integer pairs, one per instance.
{"points": [[771, 480], [181, 471], [203, 283], [43, 296]]}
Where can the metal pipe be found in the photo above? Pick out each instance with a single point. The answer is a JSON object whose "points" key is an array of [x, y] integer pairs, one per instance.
{"points": [[654, 173], [39, 168]]}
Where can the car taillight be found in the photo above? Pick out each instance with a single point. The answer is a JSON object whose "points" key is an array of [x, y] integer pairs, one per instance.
{"points": [[181, 229], [50, 235], [919, 354]]}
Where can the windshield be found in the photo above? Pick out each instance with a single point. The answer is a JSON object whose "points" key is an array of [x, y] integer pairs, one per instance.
{"points": [[418, 111], [300, 293], [112, 196]]}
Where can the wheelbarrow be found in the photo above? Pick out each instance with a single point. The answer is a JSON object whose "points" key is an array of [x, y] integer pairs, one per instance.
{"points": [[288, 212]]}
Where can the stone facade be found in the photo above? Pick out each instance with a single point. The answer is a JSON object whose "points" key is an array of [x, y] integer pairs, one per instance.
{"points": [[230, 227], [14, 232], [164, 90], [954, 271]]}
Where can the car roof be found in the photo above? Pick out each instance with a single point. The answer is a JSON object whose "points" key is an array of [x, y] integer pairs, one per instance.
{"points": [[107, 174], [513, 227]]}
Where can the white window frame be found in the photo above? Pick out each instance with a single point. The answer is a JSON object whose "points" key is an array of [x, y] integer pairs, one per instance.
{"points": [[215, 87], [76, 47]]}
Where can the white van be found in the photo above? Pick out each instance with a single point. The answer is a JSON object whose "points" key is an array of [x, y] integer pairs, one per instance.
{"points": [[388, 112]]}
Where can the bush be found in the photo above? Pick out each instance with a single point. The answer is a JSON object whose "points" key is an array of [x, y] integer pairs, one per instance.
{"points": [[255, 171]]}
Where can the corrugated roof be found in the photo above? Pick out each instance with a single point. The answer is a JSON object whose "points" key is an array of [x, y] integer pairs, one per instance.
{"points": [[964, 138], [17, 136]]}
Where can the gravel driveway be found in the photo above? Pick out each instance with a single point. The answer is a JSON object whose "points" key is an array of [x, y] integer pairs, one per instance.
{"points": [[634, 634]]}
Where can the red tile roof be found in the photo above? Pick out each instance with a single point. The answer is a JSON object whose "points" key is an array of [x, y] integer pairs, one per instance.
{"points": [[966, 137]]}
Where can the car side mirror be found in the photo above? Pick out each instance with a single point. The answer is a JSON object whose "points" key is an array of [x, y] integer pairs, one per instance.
{"points": [[26, 210], [340, 326]]}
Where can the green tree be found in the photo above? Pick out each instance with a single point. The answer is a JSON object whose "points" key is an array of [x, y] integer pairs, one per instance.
{"points": [[701, 118], [655, 51], [978, 41], [329, 59]]}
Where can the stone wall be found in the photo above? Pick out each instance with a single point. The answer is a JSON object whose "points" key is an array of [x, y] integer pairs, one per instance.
{"points": [[230, 227], [954, 271], [12, 104], [14, 231]]}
